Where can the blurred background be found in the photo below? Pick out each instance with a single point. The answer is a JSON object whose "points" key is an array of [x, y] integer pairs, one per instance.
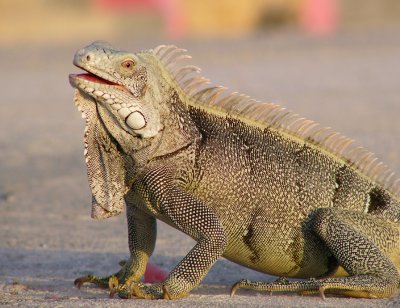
{"points": [[63, 21], [333, 61]]}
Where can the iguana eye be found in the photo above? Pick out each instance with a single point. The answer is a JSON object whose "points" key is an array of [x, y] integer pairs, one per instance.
{"points": [[128, 64]]}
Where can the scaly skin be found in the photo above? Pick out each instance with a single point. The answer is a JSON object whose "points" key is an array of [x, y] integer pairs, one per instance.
{"points": [[248, 181]]}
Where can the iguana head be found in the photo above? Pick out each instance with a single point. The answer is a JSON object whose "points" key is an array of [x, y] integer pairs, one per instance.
{"points": [[117, 80], [117, 121], [129, 119]]}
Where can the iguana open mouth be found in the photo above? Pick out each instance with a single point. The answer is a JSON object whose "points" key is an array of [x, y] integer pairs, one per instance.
{"points": [[92, 78]]}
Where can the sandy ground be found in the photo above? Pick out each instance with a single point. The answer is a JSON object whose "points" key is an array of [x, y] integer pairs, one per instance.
{"points": [[47, 238]]}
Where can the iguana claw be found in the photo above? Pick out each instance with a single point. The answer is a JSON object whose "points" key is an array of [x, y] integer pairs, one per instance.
{"points": [[101, 282], [321, 292], [113, 285], [236, 286], [166, 294], [137, 289], [155, 291], [78, 282]]}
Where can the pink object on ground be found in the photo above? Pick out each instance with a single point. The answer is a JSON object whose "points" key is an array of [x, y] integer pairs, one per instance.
{"points": [[154, 274], [319, 16]]}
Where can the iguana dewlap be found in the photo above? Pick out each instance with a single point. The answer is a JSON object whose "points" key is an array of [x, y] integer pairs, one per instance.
{"points": [[249, 181]]}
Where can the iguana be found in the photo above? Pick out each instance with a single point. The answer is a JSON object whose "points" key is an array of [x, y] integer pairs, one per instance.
{"points": [[249, 181]]}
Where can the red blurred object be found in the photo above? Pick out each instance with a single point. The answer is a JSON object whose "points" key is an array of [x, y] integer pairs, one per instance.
{"points": [[319, 17], [170, 10], [154, 274]]}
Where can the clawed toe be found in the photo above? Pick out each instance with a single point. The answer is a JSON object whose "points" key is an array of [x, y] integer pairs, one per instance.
{"points": [[238, 285], [78, 282], [113, 285], [166, 294], [101, 282]]}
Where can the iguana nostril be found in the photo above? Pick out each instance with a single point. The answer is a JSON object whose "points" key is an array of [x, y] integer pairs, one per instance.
{"points": [[87, 56]]}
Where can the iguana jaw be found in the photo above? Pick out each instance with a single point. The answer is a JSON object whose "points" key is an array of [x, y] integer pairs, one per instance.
{"points": [[88, 83], [116, 97], [101, 90]]}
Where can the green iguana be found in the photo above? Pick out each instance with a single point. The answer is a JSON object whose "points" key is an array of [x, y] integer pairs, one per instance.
{"points": [[249, 181]]}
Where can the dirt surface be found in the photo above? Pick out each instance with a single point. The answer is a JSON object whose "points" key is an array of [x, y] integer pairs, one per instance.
{"points": [[47, 238]]}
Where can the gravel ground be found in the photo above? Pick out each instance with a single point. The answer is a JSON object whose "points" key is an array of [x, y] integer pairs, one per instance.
{"points": [[349, 82]]}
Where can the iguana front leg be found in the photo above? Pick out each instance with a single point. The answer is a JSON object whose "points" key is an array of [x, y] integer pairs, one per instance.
{"points": [[158, 189], [361, 244], [142, 230]]}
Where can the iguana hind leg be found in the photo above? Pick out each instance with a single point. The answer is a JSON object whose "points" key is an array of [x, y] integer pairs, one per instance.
{"points": [[362, 244]]}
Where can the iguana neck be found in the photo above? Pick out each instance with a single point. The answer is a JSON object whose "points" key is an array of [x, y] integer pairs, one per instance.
{"points": [[179, 131]]}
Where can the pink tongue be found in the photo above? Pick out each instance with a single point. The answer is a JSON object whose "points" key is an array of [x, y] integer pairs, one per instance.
{"points": [[94, 78]]}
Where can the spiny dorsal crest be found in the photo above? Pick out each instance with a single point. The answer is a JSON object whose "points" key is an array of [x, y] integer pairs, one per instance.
{"points": [[271, 115]]}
